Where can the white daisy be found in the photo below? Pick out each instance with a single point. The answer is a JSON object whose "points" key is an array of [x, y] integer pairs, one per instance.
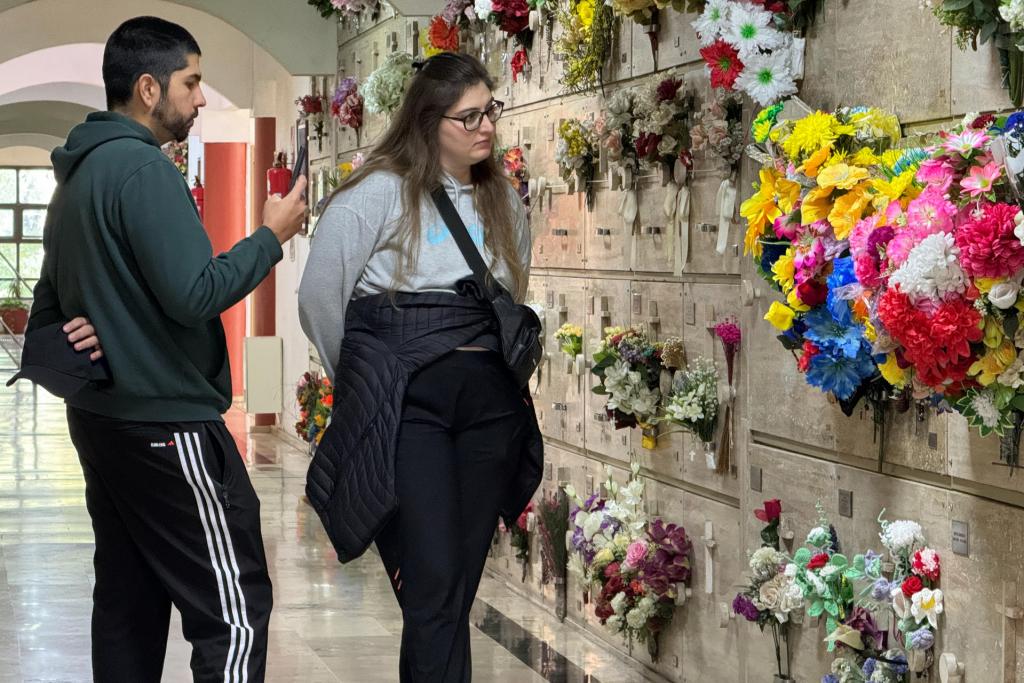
{"points": [[766, 78], [712, 23], [749, 31]]}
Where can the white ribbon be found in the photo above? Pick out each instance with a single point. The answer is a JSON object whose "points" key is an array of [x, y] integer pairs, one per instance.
{"points": [[681, 225], [628, 210], [726, 203]]}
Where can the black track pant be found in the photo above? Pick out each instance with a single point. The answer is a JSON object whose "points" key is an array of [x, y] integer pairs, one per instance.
{"points": [[176, 521], [462, 433]]}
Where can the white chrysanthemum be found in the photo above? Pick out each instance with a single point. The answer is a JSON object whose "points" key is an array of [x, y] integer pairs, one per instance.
{"points": [[384, 88], [765, 562], [932, 270], [636, 619], [767, 77], [614, 623], [483, 9], [619, 603], [749, 31], [713, 21], [985, 408], [1013, 13], [901, 536]]}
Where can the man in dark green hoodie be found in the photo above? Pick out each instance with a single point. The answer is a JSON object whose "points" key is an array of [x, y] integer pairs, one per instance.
{"points": [[175, 516]]}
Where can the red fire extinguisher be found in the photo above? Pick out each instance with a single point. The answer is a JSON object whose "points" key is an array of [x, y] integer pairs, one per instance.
{"points": [[198, 192], [279, 177]]}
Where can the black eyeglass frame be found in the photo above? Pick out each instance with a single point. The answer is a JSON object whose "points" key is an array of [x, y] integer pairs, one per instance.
{"points": [[494, 105]]}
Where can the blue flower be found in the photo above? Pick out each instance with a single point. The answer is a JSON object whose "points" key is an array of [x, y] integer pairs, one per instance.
{"points": [[842, 275], [869, 666], [838, 373], [1015, 122], [829, 678], [840, 336]]}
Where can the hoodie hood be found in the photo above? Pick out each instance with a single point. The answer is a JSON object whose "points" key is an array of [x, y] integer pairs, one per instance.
{"points": [[99, 127]]}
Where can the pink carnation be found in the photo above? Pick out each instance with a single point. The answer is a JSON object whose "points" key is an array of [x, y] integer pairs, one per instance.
{"points": [[926, 564], [937, 173], [931, 212], [988, 247]]}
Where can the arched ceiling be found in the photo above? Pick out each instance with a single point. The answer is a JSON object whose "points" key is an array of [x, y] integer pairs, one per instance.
{"points": [[38, 140], [289, 31], [53, 119]]}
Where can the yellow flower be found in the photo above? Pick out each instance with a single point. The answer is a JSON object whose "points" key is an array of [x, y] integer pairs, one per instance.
{"points": [[842, 176], [993, 333], [788, 193], [892, 372], [816, 205], [780, 316], [984, 284], [585, 11], [815, 161], [760, 210], [794, 301], [899, 188], [864, 157], [783, 270], [869, 331], [604, 556], [879, 124], [991, 365], [847, 210], [810, 134]]}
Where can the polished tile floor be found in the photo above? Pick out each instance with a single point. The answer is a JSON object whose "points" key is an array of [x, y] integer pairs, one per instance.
{"points": [[331, 622]]}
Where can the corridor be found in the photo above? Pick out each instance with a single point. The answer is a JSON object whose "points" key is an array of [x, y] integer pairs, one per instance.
{"points": [[330, 622]]}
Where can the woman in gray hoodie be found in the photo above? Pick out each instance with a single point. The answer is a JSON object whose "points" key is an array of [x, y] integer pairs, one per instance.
{"points": [[464, 425]]}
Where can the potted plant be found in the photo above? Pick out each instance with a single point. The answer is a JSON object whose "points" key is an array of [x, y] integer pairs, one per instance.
{"points": [[14, 310]]}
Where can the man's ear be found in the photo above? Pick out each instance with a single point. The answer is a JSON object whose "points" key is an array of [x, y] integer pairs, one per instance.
{"points": [[148, 90]]}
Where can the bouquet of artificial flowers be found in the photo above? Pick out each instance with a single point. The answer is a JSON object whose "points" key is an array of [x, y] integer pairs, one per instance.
{"points": [[514, 162], [661, 129], [636, 565], [441, 35], [576, 155], [347, 104], [570, 339], [384, 88], [315, 397], [629, 367], [693, 403]]}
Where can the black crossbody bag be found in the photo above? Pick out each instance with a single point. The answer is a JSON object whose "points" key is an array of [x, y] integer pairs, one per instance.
{"points": [[519, 327]]}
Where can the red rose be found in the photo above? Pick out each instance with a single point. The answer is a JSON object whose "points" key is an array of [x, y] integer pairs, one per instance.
{"points": [[772, 510], [818, 561], [611, 570], [647, 145], [911, 585], [442, 36], [812, 293]]}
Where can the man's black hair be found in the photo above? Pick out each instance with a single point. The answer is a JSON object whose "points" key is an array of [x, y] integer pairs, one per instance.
{"points": [[144, 45]]}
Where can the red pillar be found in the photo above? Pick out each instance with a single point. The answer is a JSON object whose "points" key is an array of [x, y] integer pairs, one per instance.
{"points": [[225, 224], [264, 308]]}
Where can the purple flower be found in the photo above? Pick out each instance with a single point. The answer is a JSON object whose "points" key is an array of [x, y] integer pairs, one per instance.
{"points": [[863, 621], [921, 639], [744, 606], [869, 666], [898, 661], [881, 589], [829, 678]]}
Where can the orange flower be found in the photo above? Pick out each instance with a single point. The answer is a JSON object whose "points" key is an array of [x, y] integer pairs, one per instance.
{"points": [[328, 400], [443, 36]]}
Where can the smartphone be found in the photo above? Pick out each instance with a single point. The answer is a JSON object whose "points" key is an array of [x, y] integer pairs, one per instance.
{"points": [[301, 166]]}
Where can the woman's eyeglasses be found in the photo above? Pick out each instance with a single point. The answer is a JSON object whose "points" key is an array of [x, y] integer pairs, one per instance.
{"points": [[473, 119]]}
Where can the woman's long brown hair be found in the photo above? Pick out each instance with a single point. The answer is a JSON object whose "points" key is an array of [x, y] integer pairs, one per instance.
{"points": [[411, 150]]}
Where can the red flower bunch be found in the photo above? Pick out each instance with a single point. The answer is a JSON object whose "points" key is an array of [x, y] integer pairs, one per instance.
{"points": [[647, 145], [773, 6], [523, 517], [983, 122], [937, 345], [519, 62], [513, 15], [442, 35], [772, 510], [724, 63], [988, 247], [667, 89], [310, 104], [810, 351], [818, 561], [911, 585]]}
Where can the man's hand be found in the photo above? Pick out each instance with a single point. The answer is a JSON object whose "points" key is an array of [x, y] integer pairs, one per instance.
{"points": [[82, 334], [284, 215]]}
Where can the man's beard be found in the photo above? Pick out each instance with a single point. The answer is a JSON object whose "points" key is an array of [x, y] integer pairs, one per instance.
{"points": [[175, 124]]}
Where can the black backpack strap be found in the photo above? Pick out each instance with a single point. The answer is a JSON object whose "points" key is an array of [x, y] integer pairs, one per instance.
{"points": [[469, 251]]}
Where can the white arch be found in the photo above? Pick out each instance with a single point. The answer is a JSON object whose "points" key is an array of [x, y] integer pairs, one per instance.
{"points": [[231, 62], [55, 119], [289, 31], [37, 140], [78, 93]]}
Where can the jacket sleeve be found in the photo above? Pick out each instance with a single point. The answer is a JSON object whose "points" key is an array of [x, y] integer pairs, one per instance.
{"points": [[46, 308], [342, 245], [174, 253]]}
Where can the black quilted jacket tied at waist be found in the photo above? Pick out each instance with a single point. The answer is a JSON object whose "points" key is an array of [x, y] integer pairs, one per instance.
{"points": [[351, 479]]}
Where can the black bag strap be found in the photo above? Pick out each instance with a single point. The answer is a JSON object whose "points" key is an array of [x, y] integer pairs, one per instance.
{"points": [[469, 251]]}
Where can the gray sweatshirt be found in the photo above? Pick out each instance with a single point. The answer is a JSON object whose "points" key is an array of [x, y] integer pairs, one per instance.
{"points": [[352, 254]]}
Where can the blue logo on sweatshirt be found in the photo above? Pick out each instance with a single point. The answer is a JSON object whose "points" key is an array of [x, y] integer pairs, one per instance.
{"points": [[438, 233]]}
